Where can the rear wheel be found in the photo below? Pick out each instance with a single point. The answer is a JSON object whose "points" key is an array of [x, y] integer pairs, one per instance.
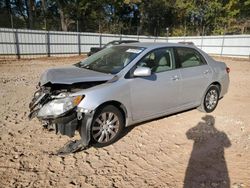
{"points": [[107, 126], [211, 99]]}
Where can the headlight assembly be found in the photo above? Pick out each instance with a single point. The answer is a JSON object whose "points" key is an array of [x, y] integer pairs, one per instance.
{"points": [[59, 106]]}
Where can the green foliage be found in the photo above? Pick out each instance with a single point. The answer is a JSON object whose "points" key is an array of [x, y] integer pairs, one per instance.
{"points": [[148, 17]]}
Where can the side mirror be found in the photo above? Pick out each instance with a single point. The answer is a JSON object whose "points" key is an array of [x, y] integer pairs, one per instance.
{"points": [[142, 71]]}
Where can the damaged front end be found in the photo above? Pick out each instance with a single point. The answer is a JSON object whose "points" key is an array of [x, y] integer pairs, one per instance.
{"points": [[54, 106]]}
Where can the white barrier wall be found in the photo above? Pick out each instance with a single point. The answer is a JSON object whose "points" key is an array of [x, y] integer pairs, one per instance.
{"points": [[35, 42]]}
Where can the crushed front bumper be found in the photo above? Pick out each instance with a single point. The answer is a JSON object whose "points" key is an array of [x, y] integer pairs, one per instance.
{"points": [[71, 122], [76, 119], [66, 125]]}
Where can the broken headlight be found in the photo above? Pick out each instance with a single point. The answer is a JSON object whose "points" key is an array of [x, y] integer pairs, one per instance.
{"points": [[59, 106]]}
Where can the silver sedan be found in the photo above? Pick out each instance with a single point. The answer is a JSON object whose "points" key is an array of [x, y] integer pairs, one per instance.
{"points": [[127, 84]]}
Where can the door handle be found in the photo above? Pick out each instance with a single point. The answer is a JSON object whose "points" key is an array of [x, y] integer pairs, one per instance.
{"points": [[175, 78]]}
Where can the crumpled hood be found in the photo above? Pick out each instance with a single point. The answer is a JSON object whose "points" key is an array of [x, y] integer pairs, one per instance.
{"points": [[71, 75]]}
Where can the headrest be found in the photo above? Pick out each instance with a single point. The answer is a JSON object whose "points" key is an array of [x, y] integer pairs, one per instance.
{"points": [[165, 60]]}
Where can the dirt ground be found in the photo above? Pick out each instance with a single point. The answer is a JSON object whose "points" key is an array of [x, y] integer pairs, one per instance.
{"points": [[182, 150]]}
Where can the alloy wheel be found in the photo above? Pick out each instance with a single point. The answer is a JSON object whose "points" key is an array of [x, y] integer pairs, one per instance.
{"points": [[105, 127], [211, 99]]}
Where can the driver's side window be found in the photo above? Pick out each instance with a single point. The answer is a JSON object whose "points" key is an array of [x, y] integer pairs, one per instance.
{"points": [[159, 60], [147, 61]]}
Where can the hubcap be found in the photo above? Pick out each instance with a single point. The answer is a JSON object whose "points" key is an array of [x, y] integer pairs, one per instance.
{"points": [[105, 127], [211, 99]]}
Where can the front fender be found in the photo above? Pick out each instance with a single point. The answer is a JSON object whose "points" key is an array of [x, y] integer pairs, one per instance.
{"points": [[94, 97]]}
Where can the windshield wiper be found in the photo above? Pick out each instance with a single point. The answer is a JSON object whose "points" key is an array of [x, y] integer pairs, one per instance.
{"points": [[82, 66]]}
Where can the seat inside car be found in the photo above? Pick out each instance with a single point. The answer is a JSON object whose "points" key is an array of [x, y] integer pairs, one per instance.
{"points": [[164, 63], [189, 61]]}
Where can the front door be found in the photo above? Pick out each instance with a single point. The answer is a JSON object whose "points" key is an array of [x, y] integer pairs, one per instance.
{"points": [[158, 93]]}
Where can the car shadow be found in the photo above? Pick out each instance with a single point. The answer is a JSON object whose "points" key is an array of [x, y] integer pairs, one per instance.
{"points": [[75, 146], [131, 127], [207, 165]]}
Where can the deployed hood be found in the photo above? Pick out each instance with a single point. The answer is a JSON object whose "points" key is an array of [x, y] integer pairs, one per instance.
{"points": [[71, 75]]}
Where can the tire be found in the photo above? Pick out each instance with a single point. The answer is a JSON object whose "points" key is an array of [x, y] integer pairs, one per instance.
{"points": [[210, 99], [107, 125]]}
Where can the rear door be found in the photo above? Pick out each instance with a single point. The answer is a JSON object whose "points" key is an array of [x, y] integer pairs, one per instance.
{"points": [[159, 92], [195, 75]]}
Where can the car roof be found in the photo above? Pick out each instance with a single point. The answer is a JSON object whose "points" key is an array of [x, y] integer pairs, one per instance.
{"points": [[123, 41], [157, 44], [128, 41]]}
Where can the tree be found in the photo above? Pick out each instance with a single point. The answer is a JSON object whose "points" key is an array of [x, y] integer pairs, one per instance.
{"points": [[148, 17]]}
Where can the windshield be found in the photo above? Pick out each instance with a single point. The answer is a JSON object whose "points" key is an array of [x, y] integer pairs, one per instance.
{"points": [[111, 60]]}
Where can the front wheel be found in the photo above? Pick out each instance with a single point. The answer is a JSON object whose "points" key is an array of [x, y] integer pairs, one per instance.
{"points": [[107, 126], [211, 99]]}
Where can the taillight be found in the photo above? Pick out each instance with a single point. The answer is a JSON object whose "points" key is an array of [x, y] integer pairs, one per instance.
{"points": [[228, 70]]}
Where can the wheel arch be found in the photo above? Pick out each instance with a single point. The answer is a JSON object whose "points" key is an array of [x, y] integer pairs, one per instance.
{"points": [[118, 105], [216, 83]]}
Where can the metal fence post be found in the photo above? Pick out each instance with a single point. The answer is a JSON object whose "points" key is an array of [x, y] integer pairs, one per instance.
{"points": [[201, 41], [48, 43], [100, 40], [17, 44], [222, 45], [79, 43]]}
